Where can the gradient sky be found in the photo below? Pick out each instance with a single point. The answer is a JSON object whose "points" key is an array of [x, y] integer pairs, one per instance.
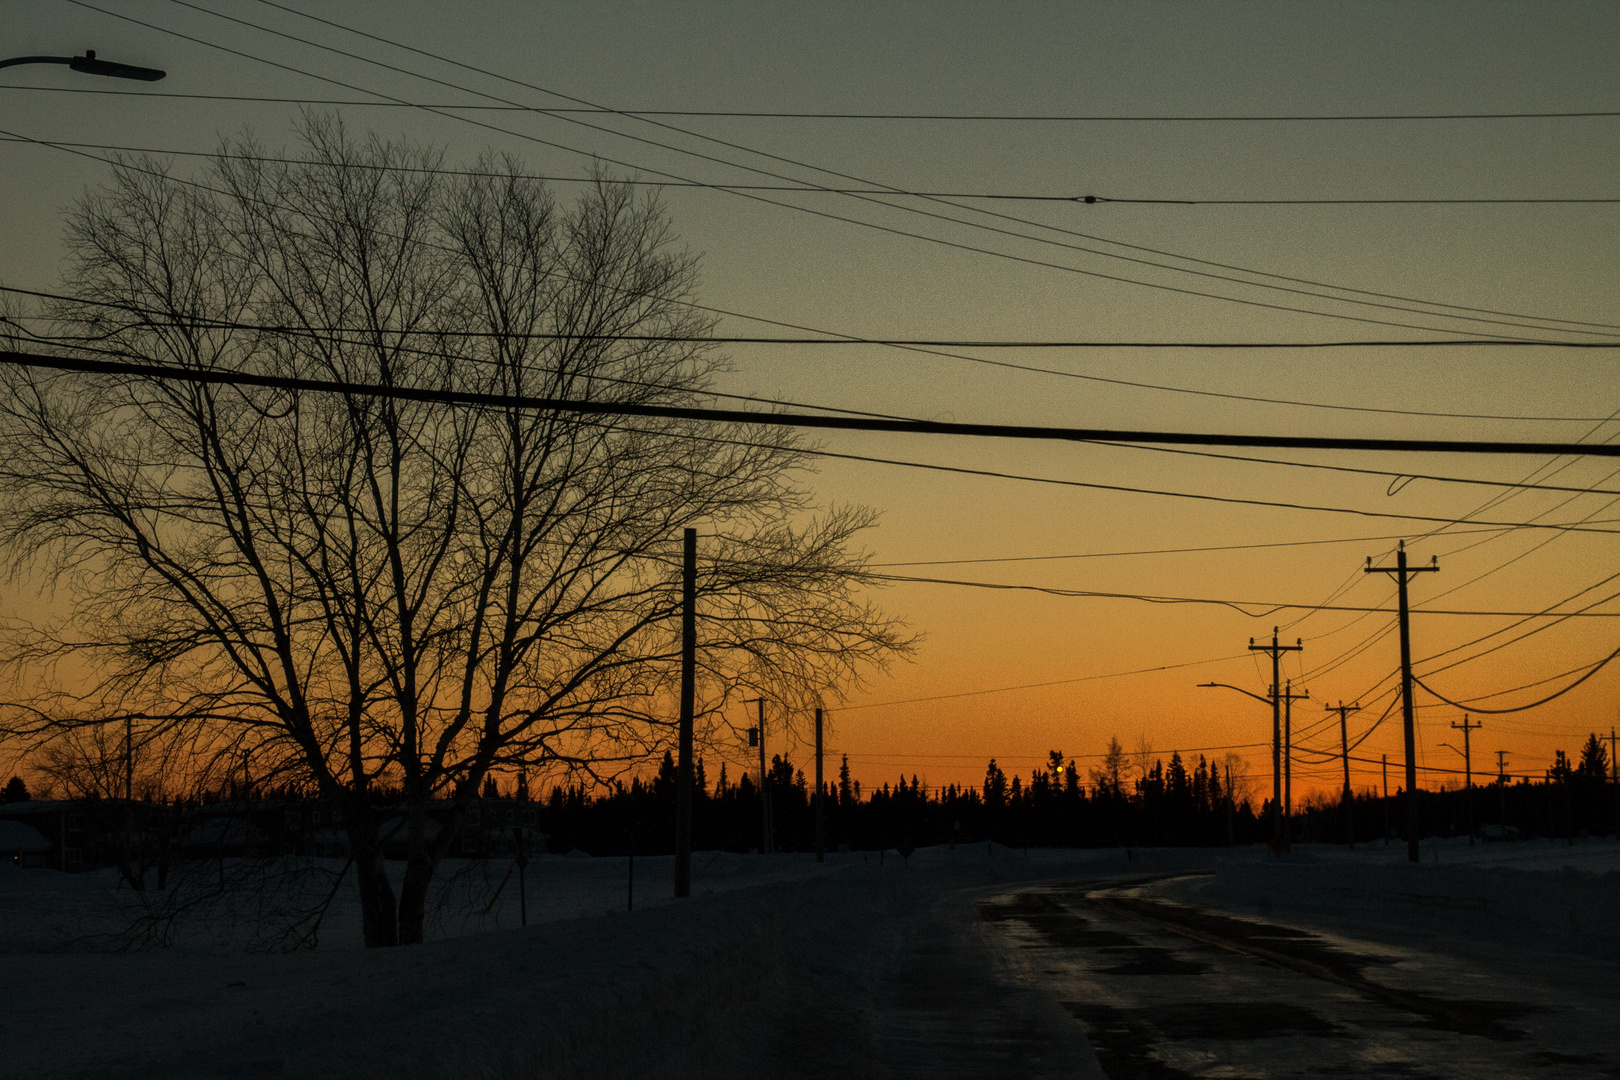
{"points": [[1555, 262]]}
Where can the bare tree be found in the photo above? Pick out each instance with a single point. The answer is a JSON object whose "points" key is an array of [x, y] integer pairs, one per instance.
{"points": [[346, 583], [1109, 777]]}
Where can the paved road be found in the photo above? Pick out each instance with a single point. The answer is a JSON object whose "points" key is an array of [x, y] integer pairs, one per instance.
{"points": [[1165, 991], [960, 1005]]}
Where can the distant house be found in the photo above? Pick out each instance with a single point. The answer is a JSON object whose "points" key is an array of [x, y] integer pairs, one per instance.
{"points": [[77, 835], [223, 833], [24, 845], [492, 827]]}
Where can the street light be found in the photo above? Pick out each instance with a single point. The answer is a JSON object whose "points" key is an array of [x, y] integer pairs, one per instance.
{"points": [[89, 65], [1465, 753], [1276, 784]]}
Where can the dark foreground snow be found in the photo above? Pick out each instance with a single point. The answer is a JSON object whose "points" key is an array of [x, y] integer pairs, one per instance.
{"points": [[778, 967]]}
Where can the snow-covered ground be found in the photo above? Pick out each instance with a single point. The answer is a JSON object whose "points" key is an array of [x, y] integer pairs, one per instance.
{"points": [[777, 966], [1539, 895]]}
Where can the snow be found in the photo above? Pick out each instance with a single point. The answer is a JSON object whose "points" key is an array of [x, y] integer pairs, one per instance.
{"points": [[16, 836], [776, 966], [1536, 895]]}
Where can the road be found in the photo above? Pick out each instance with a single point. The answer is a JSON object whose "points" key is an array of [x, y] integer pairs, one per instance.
{"points": [[1165, 990]]}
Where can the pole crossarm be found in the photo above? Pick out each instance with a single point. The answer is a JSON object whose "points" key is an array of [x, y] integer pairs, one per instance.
{"points": [[1402, 574], [1275, 651]]}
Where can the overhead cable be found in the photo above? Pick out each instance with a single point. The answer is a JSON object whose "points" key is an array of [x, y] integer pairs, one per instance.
{"points": [[802, 164], [740, 416], [896, 343], [974, 117], [808, 210], [812, 189], [1241, 606]]}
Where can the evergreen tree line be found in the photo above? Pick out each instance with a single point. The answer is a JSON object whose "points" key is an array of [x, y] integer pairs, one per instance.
{"points": [[1053, 807], [1168, 805]]}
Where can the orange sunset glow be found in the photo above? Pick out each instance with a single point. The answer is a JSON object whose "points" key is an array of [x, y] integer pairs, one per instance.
{"points": [[1126, 575]]}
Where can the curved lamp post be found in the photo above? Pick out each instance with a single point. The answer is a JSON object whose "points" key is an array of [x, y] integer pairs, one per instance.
{"points": [[1276, 801], [89, 65]]}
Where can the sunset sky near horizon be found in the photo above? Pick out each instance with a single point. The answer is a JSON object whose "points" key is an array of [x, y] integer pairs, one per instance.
{"points": [[1015, 673]]}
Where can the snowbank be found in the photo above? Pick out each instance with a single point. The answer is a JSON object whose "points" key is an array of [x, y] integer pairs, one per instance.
{"points": [[1537, 895]]}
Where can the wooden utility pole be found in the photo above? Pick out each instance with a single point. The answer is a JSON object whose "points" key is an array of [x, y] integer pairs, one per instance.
{"points": [[1468, 769], [1385, 762], [764, 786], [1614, 779], [129, 758], [1276, 652], [1289, 697], [1230, 808], [821, 835], [1288, 760], [683, 768], [1402, 573], [1501, 787], [1344, 752]]}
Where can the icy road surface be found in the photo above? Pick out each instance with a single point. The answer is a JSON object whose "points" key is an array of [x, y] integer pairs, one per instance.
{"points": [[1170, 990]]}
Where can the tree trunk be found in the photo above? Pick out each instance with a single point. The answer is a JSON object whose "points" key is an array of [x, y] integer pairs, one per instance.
{"points": [[377, 915], [419, 868]]}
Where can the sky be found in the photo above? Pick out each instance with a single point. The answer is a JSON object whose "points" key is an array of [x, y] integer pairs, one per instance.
{"points": [[1014, 673]]}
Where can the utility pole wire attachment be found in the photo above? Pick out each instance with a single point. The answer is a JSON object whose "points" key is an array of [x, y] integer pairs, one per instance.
{"points": [[1402, 573]]}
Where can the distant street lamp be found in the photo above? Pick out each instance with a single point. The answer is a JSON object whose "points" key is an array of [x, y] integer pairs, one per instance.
{"points": [[1276, 801], [89, 65]]}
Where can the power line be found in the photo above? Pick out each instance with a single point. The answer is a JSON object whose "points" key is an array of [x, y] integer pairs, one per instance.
{"points": [[824, 214], [1287, 202], [961, 343], [739, 416], [744, 114], [972, 117], [972, 359], [325, 334], [864, 422], [1039, 685], [912, 344], [1406, 476], [1195, 495], [1152, 551], [1240, 606], [801, 164], [814, 189]]}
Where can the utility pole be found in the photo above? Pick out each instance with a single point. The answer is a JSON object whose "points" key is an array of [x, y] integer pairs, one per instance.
{"points": [[129, 758], [683, 769], [1385, 758], [1501, 787], [1276, 652], [1344, 752], [821, 835], [764, 785], [1468, 769], [1230, 805], [1614, 779], [1289, 697], [1402, 573]]}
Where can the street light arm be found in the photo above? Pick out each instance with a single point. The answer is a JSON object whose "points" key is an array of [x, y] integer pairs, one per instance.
{"points": [[17, 60], [1239, 689], [89, 65]]}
